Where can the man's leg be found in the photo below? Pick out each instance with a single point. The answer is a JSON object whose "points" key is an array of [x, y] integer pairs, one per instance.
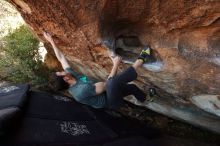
{"points": [[138, 63], [126, 76], [132, 89], [115, 83], [130, 74], [114, 93]]}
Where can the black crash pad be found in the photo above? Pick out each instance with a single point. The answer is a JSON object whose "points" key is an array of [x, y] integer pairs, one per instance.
{"points": [[50, 119], [12, 101], [48, 106], [56, 120], [43, 131], [13, 96]]}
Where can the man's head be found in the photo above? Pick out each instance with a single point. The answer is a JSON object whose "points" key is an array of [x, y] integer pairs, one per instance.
{"points": [[61, 80]]}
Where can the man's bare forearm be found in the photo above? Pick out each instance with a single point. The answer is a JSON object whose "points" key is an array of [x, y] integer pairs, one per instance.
{"points": [[116, 61], [113, 71], [101, 86], [60, 56], [58, 53]]}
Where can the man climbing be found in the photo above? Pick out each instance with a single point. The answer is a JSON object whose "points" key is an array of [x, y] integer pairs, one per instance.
{"points": [[107, 94]]}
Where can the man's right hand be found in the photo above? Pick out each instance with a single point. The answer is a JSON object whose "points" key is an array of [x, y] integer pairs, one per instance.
{"points": [[48, 37], [116, 60], [60, 56]]}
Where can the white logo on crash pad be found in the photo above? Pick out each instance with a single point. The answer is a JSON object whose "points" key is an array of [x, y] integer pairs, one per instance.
{"points": [[73, 128], [62, 98], [8, 89]]}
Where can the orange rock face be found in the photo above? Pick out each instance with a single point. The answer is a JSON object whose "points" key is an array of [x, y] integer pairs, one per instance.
{"points": [[184, 33]]}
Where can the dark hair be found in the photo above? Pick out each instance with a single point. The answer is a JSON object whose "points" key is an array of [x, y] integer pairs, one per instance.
{"points": [[57, 83]]}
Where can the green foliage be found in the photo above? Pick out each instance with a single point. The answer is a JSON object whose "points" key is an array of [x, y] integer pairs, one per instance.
{"points": [[20, 61]]}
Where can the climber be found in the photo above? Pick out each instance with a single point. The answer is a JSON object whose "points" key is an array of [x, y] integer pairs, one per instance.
{"points": [[107, 94]]}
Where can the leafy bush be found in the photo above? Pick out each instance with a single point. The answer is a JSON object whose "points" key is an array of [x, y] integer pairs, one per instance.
{"points": [[20, 60]]}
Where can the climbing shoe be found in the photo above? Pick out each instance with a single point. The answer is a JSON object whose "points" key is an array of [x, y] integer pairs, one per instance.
{"points": [[151, 94], [145, 54]]}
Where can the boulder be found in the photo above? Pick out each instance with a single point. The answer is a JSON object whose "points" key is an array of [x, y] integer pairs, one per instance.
{"points": [[184, 36]]}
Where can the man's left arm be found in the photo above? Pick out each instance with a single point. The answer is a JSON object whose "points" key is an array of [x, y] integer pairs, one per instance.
{"points": [[101, 86]]}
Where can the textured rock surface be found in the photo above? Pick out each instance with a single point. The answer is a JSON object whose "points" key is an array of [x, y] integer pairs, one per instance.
{"points": [[184, 34], [210, 103], [10, 19]]}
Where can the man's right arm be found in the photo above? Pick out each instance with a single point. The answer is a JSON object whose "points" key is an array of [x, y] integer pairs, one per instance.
{"points": [[100, 87], [60, 56], [116, 61]]}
